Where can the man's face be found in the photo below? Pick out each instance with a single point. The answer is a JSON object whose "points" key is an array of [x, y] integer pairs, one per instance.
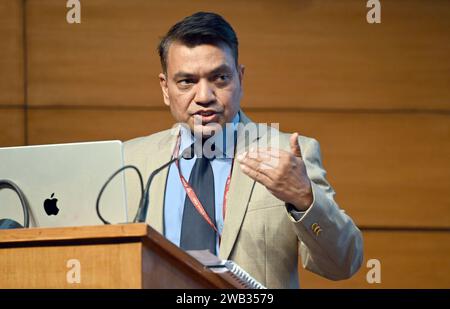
{"points": [[202, 85]]}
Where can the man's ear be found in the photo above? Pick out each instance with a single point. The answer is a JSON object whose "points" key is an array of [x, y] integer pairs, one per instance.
{"points": [[164, 88], [241, 70]]}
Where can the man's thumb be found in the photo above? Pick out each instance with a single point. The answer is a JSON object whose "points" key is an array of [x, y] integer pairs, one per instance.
{"points": [[295, 147]]}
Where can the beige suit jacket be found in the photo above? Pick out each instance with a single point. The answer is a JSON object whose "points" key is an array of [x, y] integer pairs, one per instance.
{"points": [[259, 233]]}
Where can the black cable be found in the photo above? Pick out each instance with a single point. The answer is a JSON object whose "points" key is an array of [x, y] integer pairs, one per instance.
{"points": [[8, 184], [109, 180]]}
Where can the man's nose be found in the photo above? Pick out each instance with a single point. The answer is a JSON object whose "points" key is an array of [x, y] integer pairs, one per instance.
{"points": [[205, 93]]}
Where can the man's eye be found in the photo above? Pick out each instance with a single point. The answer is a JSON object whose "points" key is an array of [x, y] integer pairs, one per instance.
{"points": [[185, 82], [222, 77]]}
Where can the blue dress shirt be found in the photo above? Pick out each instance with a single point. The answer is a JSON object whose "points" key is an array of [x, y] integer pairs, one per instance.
{"points": [[175, 194]]}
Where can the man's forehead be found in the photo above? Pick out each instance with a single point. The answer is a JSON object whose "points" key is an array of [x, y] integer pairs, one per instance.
{"points": [[198, 59]]}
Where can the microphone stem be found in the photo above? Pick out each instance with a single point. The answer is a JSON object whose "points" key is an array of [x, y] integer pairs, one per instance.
{"points": [[142, 213]]}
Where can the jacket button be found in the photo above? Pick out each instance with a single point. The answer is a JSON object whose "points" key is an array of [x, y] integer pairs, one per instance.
{"points": [[316, 228]]}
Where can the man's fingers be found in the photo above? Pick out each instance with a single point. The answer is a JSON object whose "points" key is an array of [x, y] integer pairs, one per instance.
{"points": [[256, 164], [259, 160], [295, 147], [257, 175]]}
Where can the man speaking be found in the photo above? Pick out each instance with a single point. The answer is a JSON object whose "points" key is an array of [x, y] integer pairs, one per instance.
{"points": [[259, 204]]}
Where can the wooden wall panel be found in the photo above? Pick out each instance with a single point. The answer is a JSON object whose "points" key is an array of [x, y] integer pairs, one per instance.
{"points": [[11, 127], [108, 59], [11, 53], [387, 169], [72, 125], [322, 53], [408, 260]]}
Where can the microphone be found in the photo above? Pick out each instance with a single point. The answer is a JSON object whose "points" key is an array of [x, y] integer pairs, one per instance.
{"points": [[141, 214], [9, 223]]}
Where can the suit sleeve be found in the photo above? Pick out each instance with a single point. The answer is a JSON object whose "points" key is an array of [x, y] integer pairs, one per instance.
{"points": [[330, 243]]}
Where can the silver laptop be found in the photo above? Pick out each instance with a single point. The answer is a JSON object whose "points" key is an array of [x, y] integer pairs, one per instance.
{"points": [[61, 183]]}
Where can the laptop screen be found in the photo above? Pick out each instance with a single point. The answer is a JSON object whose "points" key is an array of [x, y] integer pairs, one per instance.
{"points": [[62, 181]]}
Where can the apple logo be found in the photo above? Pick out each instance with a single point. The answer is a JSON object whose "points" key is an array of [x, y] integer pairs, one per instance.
{"points": [[50, 206]]}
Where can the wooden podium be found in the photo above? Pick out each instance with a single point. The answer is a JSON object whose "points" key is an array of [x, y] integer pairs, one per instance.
{"points": [[108, 256]]}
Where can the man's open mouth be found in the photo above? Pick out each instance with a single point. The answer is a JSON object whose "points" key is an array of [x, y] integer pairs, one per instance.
{"points": [[206, 113]]}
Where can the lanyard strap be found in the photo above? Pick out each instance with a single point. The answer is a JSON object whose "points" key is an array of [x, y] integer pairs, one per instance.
{"points": [[193, 197]]}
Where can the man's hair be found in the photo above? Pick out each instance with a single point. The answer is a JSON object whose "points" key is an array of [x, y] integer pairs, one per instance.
{"points": [[197, 29]]}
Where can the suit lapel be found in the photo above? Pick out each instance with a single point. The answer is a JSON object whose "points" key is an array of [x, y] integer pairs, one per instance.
{"points": [[241, 188], [158, 187]]}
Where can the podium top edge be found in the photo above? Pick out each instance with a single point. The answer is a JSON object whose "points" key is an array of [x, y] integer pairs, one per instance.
{"points": [[129, 230]]}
